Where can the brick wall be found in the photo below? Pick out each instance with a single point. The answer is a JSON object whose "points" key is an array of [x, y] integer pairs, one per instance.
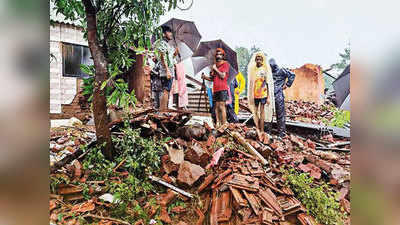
{"points": [[308, 86], [147, 87]]}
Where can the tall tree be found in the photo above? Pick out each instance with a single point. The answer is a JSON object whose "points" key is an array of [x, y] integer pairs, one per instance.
{"points": [[337, 68], [344, 59], [111, 28]]}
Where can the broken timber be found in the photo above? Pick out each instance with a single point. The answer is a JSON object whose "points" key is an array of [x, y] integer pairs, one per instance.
{"points": [[250, 148]]}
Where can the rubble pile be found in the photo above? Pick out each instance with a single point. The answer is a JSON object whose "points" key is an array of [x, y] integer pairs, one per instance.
{"points": [[308, 112], [303, 111], [66, 141], [239, 189], [225, 176]]}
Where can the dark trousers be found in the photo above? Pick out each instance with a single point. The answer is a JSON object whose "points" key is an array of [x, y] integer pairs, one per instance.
{"points": [[280, 113], [231, 115], [157, 98]]}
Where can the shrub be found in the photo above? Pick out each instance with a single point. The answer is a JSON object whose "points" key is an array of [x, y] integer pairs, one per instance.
{"points": [[319, 203]]}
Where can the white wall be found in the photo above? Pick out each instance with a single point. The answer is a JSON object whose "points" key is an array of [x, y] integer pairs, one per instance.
{"points": [[62, 89]]}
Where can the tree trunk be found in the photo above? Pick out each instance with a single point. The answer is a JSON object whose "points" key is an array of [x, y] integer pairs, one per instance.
{"points": [[137, 78], [99, 99]]}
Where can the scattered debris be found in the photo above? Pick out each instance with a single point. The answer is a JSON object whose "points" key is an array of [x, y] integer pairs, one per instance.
{"points": [[171, 186], [189, 173], [250, 148], [232, 176]]}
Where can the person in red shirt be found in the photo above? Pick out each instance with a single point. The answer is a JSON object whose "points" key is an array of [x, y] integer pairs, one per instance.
{"points": [[219, 77]]}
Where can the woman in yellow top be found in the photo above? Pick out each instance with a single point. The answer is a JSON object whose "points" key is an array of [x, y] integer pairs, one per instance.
{"points": [[241, 84], [259, 88]]}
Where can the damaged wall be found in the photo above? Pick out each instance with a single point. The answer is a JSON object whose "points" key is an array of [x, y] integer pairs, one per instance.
{"points": [[308, 86], [79, 107], [63, 90]]}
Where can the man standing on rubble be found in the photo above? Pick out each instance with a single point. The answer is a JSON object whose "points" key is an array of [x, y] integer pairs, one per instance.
{"points": [[219, 76], [283, 78], [166, 55], [259, 90]]}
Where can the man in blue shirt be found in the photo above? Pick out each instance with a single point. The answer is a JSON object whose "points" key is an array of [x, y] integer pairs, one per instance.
{"points": [[283, 79]]}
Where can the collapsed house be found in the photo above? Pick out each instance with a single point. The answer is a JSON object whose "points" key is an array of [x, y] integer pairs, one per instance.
{"points": [[236, 176]]}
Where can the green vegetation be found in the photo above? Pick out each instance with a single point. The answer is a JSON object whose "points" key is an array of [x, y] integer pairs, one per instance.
{"points": [[340, 118], [319, 201], [344, 59], [137, 157]]}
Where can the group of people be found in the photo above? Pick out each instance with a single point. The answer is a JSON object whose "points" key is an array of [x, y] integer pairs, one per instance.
{"points": [[168, 82], [266, 82]]}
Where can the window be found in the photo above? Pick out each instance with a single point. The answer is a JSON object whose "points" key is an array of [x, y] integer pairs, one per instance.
{"points": [[73, 57]]}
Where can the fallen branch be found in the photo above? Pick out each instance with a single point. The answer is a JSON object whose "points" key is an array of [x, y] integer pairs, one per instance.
{"points": [[120, 164], [106, 218]]}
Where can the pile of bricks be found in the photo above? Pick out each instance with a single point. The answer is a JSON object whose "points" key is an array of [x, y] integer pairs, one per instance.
{"points": [[309, 112], [229, 180], [243, 192], [235, 187]]}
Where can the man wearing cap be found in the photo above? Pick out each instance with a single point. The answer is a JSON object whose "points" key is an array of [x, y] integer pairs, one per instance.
{"points": [[219, 76]]}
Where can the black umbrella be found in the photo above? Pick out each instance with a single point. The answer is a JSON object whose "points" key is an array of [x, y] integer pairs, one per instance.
{"points": [[342, 89], [205, 53], [186, 36]]}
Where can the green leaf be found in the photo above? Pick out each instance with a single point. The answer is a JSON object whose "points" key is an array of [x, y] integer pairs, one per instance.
{"points": [[103, 85], [87, 69]]}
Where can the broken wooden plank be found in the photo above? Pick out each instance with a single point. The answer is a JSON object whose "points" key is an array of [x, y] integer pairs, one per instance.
{"points": [[250, 148], [244, 153], [219, 179], [201, 216], [339, 144]]}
